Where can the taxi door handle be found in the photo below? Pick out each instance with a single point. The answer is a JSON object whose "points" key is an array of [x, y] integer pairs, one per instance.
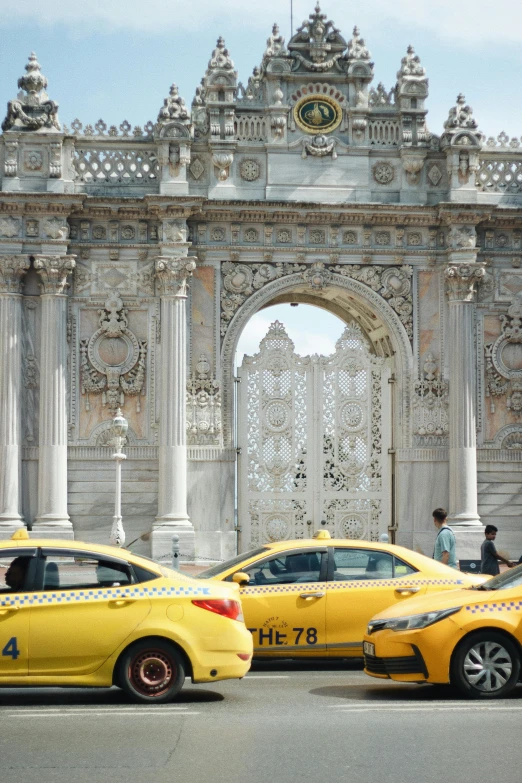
{"points": [[309, 596], [122, 599], [407, 589], [5, 608]]}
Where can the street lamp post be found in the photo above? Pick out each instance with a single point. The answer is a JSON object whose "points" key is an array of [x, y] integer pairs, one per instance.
{"points": [[119, 430]]}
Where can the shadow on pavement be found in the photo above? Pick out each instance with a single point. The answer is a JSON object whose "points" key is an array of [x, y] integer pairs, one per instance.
{"points": [[93, 697], [308, 664], [399, 692]]}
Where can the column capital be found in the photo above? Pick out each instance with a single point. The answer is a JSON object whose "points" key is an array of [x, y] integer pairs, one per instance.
{"points": [[462, 281], [54, 271], [12, 269], [173, 273]]}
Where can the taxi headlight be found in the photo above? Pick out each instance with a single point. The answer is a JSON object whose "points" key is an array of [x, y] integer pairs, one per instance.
{"points": [[412, 622]]}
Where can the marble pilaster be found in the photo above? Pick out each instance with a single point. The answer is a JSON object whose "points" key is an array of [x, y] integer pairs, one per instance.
{"points": [[461, 280], [52, 462], [12, 268], [172, 275]]}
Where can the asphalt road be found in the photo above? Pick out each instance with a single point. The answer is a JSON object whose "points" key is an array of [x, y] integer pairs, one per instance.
{"points": [[284, 722]]}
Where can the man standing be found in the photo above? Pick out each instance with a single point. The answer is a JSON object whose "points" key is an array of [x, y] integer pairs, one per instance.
{"points": [[489, 556], [444, 550]]}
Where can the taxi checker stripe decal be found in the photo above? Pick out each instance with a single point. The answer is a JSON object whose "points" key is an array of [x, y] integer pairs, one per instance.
{"points": [[86, 596], [497, 606], [298, 587]]}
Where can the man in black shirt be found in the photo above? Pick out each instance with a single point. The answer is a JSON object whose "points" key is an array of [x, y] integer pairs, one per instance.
{"points": [[489, 555]]}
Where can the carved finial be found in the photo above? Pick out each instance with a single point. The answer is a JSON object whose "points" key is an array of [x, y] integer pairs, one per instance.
{"points": [[34, 81], [320, 40], [411, 65], [220, 57], [34, 110], [275, 44], [357, 49], [173, 107], [460, 117]]}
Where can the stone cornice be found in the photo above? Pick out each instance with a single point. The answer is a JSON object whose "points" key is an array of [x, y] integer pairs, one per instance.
{"points": [[53, 272], [41, 203], [461, 214]]}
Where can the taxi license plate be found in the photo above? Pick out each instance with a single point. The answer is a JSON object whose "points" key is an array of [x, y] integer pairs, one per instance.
{"points": [[368, 648]]}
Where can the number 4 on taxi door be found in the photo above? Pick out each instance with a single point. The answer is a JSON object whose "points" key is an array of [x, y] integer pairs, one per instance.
{"points": [[11, 649]]}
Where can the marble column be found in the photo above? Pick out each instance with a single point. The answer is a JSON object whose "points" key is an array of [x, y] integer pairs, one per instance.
{"points": [[12, 268], [172, 275], [52, 453], [461, 282]]}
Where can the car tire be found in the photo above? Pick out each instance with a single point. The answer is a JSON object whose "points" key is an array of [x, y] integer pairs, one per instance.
{"points": [[485, 665], [151, 671]]}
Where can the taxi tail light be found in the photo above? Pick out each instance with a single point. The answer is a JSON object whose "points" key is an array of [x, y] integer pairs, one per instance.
{"points": [[223, 606]]}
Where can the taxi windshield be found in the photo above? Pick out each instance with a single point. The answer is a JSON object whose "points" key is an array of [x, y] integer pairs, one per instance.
{"points": [[504, 581], [220, 567]]}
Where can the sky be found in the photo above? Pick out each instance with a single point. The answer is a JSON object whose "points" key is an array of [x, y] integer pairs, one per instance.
{"points": [[116, 59], [311, 329]]}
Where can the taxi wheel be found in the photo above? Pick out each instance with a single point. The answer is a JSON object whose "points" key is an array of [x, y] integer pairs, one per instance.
{"points": [[151, 671], [486, 665]]}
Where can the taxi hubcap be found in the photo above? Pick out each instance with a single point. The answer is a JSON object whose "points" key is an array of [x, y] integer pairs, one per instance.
{"points": [[487, 666], [151, 672]]}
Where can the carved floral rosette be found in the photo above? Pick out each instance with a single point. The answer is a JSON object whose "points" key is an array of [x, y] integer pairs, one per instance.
{"points": [[113, 360]]}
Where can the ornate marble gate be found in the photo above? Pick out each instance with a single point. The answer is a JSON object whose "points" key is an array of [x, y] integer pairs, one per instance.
{"points": [[314, 434]]}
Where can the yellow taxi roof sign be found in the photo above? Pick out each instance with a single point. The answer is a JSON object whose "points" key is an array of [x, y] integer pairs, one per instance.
{"points": [[20, 535], [321, 534]]}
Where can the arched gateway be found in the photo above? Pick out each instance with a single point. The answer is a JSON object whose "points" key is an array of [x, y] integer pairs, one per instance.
{"points": [[132, 258], [315, 433]]}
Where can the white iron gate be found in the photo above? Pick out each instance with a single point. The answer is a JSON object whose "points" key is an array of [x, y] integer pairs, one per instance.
{"points": [[313, 433]]}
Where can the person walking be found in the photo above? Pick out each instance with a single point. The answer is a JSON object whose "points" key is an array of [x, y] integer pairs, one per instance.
{"points": [[445, 549], [489, 556]]}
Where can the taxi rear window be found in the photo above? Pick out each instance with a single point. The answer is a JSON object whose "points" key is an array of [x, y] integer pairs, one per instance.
{"points": [[219, 568]]}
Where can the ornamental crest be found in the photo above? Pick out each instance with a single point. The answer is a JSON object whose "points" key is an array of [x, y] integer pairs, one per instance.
{"points": [[315, 113], [113, 360]]}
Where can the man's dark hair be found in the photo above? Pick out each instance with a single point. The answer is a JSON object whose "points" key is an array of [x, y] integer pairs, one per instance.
{"points": [[440, 514], [22, 561], [490, 529]]}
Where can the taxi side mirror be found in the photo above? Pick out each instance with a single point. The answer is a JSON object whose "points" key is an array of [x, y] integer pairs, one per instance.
{"points": [[241, 578]]}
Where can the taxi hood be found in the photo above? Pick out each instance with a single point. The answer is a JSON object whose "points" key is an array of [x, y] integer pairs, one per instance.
{"points": [[446, 599]]}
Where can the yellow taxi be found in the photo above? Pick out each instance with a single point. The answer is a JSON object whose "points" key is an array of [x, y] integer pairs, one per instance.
{"points": [[76, 614], [314, 597], [470, 638]]}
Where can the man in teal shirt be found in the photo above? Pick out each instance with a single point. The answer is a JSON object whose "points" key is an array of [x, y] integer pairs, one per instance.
{"points": [[444, 550]]}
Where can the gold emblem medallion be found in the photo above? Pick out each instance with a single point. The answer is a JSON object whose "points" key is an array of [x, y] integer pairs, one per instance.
{"points": [[317, 114]]}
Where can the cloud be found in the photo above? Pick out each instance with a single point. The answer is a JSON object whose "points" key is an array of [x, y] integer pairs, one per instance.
{"points": [[468, 22]]}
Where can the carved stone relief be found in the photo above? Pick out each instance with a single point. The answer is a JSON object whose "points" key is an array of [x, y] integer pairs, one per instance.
{"points": [[113, 360], [203, 406], [392, 283], [383, 172], [430, 406], [503, 361]]}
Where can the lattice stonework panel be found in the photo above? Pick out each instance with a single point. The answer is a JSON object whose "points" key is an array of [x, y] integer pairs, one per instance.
{"points": [[115, 167], [500, 176], [311, 436]]}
